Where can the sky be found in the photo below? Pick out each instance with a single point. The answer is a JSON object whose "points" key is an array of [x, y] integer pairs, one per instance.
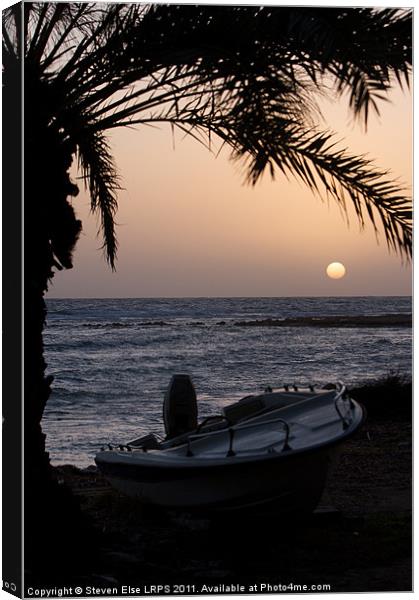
{"points": [[188, 225]]}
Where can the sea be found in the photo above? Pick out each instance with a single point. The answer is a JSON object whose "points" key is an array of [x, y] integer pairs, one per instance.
{"points": [[112, 359]]}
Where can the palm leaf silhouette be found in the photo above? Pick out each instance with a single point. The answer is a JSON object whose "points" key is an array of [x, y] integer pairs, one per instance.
{"points": [[247, 75]]}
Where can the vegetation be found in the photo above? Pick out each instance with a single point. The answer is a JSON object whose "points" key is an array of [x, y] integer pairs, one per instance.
{"points": [[387, 398], [247, 76]]}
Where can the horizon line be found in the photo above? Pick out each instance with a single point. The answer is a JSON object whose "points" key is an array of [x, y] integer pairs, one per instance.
{"points": [[224, 297]]}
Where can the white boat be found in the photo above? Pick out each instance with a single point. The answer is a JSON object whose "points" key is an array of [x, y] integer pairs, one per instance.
{"points": [[274, 448]]}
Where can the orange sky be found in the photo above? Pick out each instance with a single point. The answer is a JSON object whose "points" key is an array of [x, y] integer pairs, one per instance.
{"points": [[188, 226]]}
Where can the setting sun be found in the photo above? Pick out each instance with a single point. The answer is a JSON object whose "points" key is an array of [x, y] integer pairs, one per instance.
{"points": [[336, 270]]}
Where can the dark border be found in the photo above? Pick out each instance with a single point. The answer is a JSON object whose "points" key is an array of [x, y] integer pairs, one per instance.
{"points": [[12, 335]]}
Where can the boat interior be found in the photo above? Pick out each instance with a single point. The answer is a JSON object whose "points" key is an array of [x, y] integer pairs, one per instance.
{"points": [[245, 420]]}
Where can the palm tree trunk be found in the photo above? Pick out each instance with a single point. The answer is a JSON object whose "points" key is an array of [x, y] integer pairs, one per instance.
{"points": [[54, 524], [38, 264]]}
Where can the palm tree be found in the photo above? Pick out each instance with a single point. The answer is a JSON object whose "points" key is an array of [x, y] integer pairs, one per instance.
{"points": [[247, 76]]}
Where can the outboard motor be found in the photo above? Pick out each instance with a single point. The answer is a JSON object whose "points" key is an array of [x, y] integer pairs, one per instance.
{"points": [[180, 410]]}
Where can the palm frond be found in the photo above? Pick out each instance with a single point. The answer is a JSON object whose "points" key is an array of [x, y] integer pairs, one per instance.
{"points": [[12, 30], [102, 181], [348, 45], [315, 159], [66, 40]]}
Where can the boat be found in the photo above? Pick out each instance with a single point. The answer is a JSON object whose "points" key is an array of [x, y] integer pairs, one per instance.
{"points": [[270, 449]]}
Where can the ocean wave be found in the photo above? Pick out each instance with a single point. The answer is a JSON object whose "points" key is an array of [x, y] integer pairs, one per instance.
{"points": [[387, 320], [392, 320], [122, 325]]}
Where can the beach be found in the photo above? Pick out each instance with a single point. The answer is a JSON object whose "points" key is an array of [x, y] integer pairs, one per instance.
{"points": [[358, 540]]}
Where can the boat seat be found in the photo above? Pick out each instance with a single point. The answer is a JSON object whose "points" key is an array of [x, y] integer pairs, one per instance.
{"points": [[243, 409], [250, 406], [147, 442]]}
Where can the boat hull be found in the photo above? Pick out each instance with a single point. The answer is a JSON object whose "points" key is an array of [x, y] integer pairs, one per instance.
{"points": [[291, 483], [279, 456]]}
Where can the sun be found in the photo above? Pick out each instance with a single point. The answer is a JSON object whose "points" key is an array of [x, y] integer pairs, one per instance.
{"points": [[336, 270]]}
